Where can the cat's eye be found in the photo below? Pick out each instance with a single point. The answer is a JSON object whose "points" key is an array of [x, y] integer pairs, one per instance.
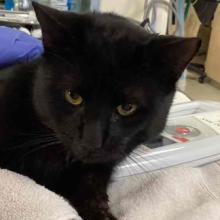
{"points": [[73, 98], [127, 109]]}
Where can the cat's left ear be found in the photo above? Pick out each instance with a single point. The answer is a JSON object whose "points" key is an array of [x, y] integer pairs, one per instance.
{"points": [[175, 53]]}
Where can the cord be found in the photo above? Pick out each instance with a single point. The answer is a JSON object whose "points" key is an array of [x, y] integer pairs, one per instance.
{"points": [[188, 7], [193, 3], [151, 6]]}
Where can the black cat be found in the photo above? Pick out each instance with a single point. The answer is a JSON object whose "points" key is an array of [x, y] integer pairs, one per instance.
{"points": [[103, 86]]}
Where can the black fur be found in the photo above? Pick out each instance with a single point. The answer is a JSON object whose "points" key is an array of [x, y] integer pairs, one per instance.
{"points": [[109, 61]]}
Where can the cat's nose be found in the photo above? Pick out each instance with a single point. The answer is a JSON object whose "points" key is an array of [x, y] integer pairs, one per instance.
{"points": [[92, 135]]}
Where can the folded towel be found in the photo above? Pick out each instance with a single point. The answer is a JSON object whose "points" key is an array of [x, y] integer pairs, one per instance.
{"points": [[172, 194], [22, 199]]}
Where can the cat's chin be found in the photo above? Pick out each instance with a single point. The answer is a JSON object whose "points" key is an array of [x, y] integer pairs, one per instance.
{"points": [[96, 158]]}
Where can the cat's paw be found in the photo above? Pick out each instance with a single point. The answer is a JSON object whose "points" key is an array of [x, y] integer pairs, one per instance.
{"points": [[107, 216], [99, 216], [110, 217]]}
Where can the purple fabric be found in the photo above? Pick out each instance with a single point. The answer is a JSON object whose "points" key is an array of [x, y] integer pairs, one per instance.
{"points": [[17, 47]]}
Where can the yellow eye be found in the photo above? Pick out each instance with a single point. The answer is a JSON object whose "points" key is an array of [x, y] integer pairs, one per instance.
{"points": [[73, 98], [127, 110]]}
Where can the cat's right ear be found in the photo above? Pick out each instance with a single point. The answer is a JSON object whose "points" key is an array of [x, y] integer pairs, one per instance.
{"points": [[55, 25]]}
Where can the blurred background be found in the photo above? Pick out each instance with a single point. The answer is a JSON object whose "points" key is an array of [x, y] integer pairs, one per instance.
{"points": [[190, 18]]}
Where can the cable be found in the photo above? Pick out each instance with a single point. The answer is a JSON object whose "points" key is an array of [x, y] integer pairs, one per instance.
{"points": [[189, 3], [187, 8], [151, 6], [193, 3]]}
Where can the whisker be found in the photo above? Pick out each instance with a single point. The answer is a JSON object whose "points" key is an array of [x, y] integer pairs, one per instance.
{"points": [[37, 134], [133, 171], [40, 148], [137, 174], [28, 144], [139, 164], [139, 152], [155, 160]]}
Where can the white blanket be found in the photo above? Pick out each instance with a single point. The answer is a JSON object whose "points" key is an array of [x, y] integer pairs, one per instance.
{"points": [[172, 194]]}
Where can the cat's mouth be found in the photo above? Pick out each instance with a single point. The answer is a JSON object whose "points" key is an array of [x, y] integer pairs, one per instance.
{"points": [[100, 157]]}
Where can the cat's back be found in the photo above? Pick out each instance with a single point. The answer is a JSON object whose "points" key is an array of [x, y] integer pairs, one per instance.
{"points": [[15, 76], [14, 82]]}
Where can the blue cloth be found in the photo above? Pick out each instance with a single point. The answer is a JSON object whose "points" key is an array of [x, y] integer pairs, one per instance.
{"points": [[17, 47]]}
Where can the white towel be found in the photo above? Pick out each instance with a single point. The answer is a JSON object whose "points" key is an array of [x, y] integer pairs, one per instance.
{"points": [[172, 194], [22, 199]]}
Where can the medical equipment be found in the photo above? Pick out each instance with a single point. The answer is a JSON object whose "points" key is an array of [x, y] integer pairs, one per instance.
{"points": [[190, 138]]}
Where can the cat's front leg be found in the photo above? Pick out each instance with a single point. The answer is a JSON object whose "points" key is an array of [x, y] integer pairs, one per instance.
{"points": [[95, 214], [90, 196]]}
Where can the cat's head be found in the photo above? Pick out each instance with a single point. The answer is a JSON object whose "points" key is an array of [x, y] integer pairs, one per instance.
{"points": [[104, 84]]}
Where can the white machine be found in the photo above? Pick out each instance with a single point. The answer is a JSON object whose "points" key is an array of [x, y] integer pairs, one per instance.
{"points": [[190, 138]]}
